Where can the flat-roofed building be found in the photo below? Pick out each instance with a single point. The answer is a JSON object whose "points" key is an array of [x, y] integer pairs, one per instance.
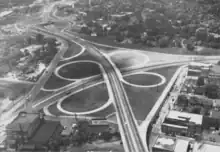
{"points": [[170, 144], [182, 123], [215, 71], [181, 146], [198, 65], [22, 128], [212, 121], [25, 123], [164, 144], [49, 130], [174, 129], [203, 147], [185, 117], [194, 72]]}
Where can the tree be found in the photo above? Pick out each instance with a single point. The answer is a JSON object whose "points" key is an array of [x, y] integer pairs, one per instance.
{"points": [[200, 81], [190, 45], [164, 41], [211, 91], [39, 38], [106, 136], [196, 110], [85, 30], [182, 99], [201, 34]]}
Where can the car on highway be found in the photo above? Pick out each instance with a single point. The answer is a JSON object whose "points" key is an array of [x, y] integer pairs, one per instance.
{"points": [[68, 92]]}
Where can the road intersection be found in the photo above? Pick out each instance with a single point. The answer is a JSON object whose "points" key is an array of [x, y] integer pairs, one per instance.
{"points": [[133, 141]]}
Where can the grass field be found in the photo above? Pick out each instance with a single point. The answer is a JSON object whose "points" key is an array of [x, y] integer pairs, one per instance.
{"points": [[72, 50], [54, 111], [143, 99], [105, 112], [127, 59], [79, 70], [42, 94], [55, 82], [88, 99], [143, 79]]}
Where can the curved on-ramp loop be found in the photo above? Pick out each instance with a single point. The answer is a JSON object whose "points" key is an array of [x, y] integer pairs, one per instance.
{"points": [[144, 59], [56, 72], [163, 80], [105, 105]]}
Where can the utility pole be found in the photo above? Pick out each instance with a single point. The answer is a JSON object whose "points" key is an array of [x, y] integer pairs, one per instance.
{"points": [[9, 4], [157, 88], [76, 118]]}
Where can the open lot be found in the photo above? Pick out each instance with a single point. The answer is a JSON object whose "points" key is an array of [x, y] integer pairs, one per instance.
{"points": [[125, 59], [14, 89], [79, 70], [73, 49], [55, 82], [143, 79], [86, 100], [143, 99]]}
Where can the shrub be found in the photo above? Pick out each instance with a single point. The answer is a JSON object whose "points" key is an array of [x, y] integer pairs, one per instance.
{"points": [[164, 41]]}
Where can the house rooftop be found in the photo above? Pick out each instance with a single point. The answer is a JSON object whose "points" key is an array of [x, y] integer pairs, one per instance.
{"points": [[197, 119], [216, 69], [215, 114]]}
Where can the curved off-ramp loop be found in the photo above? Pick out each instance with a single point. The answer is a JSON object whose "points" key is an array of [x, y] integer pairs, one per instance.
{"points": [[78, 54], [143, 58], [105, 105], [163, 80], [56, 72]]}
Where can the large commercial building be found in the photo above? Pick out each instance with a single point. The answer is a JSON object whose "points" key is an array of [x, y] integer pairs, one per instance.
{"points": [[31, 132], [182, 123], [23, 126]]}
